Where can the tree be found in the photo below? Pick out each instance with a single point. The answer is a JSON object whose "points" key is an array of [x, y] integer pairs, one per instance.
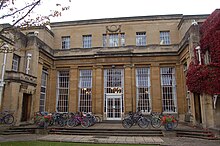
{"points": [[26, 13], [205, 78]]}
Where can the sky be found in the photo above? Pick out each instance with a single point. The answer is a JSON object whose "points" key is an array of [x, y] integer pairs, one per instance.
{"points": [[98, 9]]}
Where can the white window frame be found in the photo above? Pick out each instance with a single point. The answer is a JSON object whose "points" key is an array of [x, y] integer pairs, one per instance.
{"points": [[141, 39], [85, 91], [113, 40], [62, 92], [15, 62], [87, 41], [65, 42], [122, 38], [165, 37], [143, 96], [113, 84], [43, 90], [168, 89]]}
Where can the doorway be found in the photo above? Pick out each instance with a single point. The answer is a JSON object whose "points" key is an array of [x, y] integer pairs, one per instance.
{"points": [[197, 104], [114, 107], [26, 107]]}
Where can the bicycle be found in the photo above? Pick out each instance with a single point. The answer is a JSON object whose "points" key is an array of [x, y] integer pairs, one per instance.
{"points": [[79, 118], [135, 118], [6, 118]]}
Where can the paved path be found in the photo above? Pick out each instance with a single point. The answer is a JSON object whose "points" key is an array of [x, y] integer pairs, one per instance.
{"points": [[164, 141]]}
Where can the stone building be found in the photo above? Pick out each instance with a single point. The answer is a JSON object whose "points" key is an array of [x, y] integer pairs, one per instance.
{"points": [[105, 66]]}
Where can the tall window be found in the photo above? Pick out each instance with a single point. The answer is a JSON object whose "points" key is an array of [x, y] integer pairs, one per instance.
{"points": [[15, 62], [62, 91], [87, 41], [143, 89], [85, 91], [65, 42], [43, 90], [168, 85], [141, 39], [164, 37], [114, 83]]}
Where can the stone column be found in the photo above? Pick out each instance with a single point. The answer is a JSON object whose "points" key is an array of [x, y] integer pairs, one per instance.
{"points": [[97, 90], [156, 88], [128, 98], [73, 90], [52, 87]]}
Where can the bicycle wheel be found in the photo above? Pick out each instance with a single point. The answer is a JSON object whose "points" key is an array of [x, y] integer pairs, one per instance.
{"points": [[143, 122], [85, 123], [156, 122], [175, 123], [127, 123], [97, 119], [71, 123], [8, 119]]}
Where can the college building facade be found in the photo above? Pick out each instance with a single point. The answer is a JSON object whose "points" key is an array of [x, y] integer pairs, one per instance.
{"points": [[105, 66]]}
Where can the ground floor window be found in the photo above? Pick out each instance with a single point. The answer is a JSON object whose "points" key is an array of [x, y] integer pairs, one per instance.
{"points": [[143, 90], [168, 85], [43, 90], [62, 91], [85, 91]]}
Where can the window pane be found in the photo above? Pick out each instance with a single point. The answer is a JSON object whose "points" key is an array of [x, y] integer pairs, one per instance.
{"points": [[168, 84], [113, 40], [165, 37], [141, 39], [43, 90], [15, 62], [87, 41], [65, 42], [62, 91], [85, 91], [143, 89]]}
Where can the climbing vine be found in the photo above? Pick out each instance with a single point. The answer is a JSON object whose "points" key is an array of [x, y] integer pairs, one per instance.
{"points": [[205, 78]]}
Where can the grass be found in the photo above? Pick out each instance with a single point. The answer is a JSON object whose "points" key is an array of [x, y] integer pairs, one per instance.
{"points": [[45, 143]]}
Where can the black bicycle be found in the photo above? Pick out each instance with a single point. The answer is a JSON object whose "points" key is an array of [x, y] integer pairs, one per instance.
{"points": [[135, 118]]}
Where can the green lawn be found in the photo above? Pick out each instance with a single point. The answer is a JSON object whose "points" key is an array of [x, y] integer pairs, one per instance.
{"points": [[44, 143]]}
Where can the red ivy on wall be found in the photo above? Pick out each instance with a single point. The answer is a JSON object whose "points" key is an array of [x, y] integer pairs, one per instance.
{"points": [[206, 78]]}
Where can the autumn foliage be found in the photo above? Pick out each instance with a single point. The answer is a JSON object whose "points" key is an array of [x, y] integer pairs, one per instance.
{"points": [[205, 78]]}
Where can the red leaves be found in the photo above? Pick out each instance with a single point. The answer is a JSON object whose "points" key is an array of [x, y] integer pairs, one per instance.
{"points": [[206, 78]]}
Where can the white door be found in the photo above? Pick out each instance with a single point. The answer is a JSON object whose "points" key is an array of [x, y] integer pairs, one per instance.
{"points": [[114, 107]]}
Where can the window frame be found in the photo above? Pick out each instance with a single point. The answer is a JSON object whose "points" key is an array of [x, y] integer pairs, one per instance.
{"points": [[87, 41], [141, 39], [15, 59], [65, 44], [165, 38], [62, 92], [168, 89]]}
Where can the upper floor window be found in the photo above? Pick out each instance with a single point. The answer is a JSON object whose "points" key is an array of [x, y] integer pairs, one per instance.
{"points": [[104, 40], [207, 57], [113, 40], [65, 42], [122, 39], [15, 62], [164, 37], [141, 39], [87, 41]]}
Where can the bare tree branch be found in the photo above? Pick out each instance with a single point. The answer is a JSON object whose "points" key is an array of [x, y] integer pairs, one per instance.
{"points": [[7, 28], [1, 5], [2, 17]]}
